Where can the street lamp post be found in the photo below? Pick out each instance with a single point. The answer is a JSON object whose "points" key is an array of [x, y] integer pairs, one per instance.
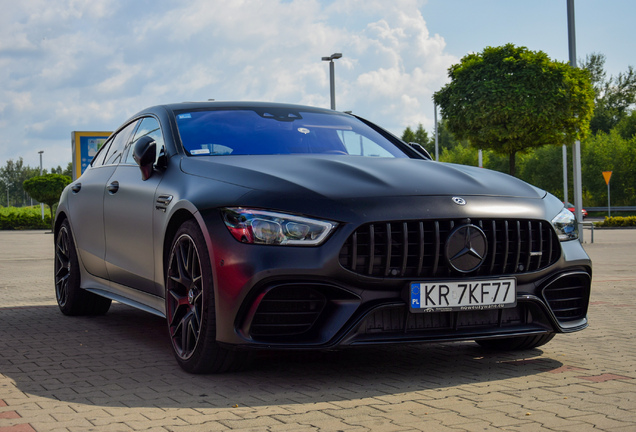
{"points": [[332, 84], [436, 134], [576, 148], [41, 204]]}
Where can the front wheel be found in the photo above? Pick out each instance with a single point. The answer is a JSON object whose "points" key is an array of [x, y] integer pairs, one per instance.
{"points": [[516, 343], [190, 306], [71, 298]]}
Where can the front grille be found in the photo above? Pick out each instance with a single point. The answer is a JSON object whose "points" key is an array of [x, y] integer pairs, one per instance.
{"points": [[415, 249], [568, 297], [287, 310]]}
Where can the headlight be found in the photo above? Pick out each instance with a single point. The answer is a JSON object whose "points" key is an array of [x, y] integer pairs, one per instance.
{"points": [[270, 228], [566, 226]]}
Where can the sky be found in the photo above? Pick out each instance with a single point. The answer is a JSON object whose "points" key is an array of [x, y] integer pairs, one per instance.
{"points": [[88, 65]]}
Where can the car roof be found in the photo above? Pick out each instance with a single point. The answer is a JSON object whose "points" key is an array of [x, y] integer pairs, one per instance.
{"points": [[185, 106]]}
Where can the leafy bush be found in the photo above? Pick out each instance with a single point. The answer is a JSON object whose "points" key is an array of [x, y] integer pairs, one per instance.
{"points": [[13, 218], [46, 189], [618, 221]]}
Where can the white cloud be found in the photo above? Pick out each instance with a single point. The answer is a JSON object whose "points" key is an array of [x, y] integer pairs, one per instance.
{"points": [[86, 64]]}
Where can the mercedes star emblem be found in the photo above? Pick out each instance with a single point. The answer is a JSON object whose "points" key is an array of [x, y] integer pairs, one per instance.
{"points": [[459, 201], [466, 248]]}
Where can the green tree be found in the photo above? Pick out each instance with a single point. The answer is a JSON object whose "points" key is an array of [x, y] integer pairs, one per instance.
{"points": [[614, 96], [461, 153], [420, 136], [626, 127], [608, 152], [13, 175], [47, 188], [510, 99], [408, 135], [68, 171], [543, 167]]}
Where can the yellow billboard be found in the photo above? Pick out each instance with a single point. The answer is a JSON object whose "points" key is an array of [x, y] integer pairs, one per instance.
{"points": [[85, 146]]}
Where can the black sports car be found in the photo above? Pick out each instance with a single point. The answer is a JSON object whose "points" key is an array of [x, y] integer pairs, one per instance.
{"points": [[260, 225]]}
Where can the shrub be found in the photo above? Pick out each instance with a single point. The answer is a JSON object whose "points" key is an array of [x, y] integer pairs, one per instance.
{"points": [[13, 218], [617, 221]]}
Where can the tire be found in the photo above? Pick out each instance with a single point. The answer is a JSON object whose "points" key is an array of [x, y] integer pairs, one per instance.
{"points": [[71, 298], [516, 343], [190, 306]]}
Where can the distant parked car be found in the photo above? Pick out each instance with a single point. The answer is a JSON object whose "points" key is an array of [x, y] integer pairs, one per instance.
{"points": [[570, 206], [256, 225]]}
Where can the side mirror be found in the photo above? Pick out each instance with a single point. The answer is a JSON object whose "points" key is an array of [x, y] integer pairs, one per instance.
{"points": [[144, 153], [421, 150]]}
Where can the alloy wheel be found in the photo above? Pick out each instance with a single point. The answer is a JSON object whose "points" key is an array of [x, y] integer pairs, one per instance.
{"points": [[62, 266], [184, 296]]}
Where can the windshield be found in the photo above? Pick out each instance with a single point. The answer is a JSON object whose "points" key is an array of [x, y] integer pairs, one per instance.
{"points": [[268, 131]]}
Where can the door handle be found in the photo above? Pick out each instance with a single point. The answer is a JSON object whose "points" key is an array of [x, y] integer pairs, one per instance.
{"points": [[113, 187], [76, 187]]}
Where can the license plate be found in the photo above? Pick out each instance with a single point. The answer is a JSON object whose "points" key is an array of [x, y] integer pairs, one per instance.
{"points": [[463, 295]]}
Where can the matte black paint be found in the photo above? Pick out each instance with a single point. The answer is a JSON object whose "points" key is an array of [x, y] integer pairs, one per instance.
{"points": [[122, 236]]}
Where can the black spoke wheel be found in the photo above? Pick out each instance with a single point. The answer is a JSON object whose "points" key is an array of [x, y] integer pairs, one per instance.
{"points": [[62, 266], [184, 297], [190, 309], [71, 298]]}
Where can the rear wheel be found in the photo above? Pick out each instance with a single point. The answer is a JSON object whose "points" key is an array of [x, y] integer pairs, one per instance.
{"points": [[516, 343], [71, 299], [190, 306]]}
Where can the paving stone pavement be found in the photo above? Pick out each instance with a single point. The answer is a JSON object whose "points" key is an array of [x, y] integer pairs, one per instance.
{"points": [[117, 373]]}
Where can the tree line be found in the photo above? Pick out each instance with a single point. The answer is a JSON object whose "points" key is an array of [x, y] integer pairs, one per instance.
{"points": [[12, 178], [510, 142]]}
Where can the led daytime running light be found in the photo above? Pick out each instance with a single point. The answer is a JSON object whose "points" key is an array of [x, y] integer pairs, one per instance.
{"points": [[271, 228]]}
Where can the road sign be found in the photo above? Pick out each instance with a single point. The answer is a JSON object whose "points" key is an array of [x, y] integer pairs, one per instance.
{"points": [[607, 175]]}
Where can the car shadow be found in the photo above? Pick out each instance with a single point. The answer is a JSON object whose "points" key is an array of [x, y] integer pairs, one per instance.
{"points": [[124, 359]]}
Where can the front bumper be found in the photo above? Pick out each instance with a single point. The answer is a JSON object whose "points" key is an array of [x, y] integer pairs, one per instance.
{"points": [[297, 298]]}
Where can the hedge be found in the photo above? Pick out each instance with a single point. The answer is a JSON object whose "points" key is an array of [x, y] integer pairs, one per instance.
{"points": [[618, 221], [13, 218]]}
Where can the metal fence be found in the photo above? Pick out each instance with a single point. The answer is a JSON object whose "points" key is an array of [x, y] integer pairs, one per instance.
{"points": [[612, 209]]}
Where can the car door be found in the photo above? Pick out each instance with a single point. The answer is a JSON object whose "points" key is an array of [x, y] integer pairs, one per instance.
{"points": [[128, 213], [86, 203]]}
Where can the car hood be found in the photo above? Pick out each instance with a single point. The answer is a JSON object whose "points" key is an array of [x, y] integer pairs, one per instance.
{"points": [[337, 177]]}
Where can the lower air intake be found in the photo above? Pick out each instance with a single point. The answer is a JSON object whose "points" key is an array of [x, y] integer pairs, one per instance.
{"points": [[287, 310], [568, 296]]}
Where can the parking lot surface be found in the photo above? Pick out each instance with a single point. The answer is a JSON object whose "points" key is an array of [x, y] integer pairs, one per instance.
{"points": [[117, 373]]}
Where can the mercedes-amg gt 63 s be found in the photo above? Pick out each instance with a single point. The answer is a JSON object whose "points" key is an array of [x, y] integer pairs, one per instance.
{"points": [[261, 225]]}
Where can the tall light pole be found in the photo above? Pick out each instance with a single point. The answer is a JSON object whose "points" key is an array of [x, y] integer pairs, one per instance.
{"points": [[576, 148], [41, 204], [332, 84], [566, 199], [436, 134]]}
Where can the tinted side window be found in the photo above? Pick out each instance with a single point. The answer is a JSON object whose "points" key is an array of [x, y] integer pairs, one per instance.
{"points": [[149, 127], [98, 160], [119, 143]]}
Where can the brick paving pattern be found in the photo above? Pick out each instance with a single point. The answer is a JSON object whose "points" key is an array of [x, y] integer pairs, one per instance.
{"points": [[117, 373]]}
